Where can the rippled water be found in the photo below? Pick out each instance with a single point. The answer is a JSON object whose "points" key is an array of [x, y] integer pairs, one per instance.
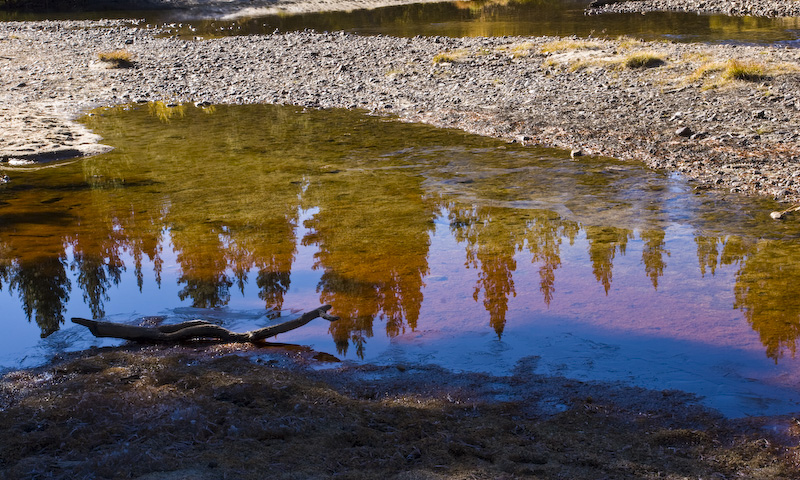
{"points": [[432, 245]]}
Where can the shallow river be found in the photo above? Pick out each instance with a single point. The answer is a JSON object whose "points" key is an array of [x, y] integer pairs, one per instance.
{"points": [[432, 245], [460, 19]]}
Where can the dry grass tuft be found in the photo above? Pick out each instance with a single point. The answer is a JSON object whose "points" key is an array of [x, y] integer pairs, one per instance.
{"points": [[117, 58], [706, 70], [643, 60], [449, 57], [626, 43], [716, 74], [522, 50], [748, 71], [568, 45]]}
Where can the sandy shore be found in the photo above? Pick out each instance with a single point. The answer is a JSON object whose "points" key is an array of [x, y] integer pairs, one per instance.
{"points": [[588, 95]]}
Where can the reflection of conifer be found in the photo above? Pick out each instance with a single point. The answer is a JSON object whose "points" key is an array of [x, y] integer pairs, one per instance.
{"points": [[43, 287], [273, 248], [372, 238], [735, 250], [547, 280], [492, 241], [203, 266], [95, 276], [653, 251], [604, 242], [6, 264], [707, 253], [272, 286], [207, 291], [543, 238], [351, 299], [766, 293], [497, 282]]}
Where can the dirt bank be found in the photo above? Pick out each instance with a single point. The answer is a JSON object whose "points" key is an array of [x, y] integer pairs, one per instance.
{"points": [[621, 97], [220, 412]]}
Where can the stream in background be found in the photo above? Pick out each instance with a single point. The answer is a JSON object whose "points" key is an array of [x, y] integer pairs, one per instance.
{"points": [[432, 245], [460, 19]]}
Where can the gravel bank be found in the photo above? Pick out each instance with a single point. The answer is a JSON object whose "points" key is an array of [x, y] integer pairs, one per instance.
{"points": [[759, 8], [742, 135]]}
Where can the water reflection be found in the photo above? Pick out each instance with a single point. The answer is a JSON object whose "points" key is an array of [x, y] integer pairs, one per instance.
{"points": [[503, 18], [223, 189], [460, 19]]}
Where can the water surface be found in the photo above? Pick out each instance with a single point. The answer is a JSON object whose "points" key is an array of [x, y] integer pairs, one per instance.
{"points": [[460, 19], [432, 245]]}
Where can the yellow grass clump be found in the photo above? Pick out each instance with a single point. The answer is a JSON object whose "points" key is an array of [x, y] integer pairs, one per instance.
{"points": [[749, 71], [643, 60], [117, 58], [449, 57], [569, 44]]}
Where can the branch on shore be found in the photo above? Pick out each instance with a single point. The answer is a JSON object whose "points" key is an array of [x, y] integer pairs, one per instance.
{"points": [[197, 329]]}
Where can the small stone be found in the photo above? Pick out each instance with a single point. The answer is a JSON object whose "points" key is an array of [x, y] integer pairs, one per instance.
{"points": [[684, 132], [776, 215]]}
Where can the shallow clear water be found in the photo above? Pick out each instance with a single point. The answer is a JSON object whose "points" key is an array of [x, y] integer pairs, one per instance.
{"points": [[460, 19], [432, 245]]}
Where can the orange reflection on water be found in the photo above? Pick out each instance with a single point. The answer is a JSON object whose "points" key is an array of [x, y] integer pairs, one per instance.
{"points": [[530, 234]]}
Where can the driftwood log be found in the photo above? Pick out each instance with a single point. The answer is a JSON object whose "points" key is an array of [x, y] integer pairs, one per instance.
{"points": [[197, 329]]}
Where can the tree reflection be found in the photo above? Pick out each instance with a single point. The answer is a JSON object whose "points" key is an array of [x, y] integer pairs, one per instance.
{"points": [[707, 253], [95, 276], [491, 244], [653, 252], [544, 234], [766, 292], [203, 266], [231, 207], [493, 237], [96, 258], [372, 231], [43, 286], [604, 243]]}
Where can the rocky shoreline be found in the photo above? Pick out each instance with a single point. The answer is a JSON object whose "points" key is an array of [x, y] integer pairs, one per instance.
{"points": [[678, 113], [760, 8]]}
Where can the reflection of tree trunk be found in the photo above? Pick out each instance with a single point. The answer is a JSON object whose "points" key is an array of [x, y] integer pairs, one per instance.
{"points": [[196, 329]]}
